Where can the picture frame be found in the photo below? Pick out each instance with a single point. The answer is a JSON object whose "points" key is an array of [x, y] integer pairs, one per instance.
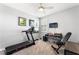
{"points": [[21, 21], [31, 22]]}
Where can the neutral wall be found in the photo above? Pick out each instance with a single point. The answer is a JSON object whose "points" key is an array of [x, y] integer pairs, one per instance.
{"points": [[68, 21], [10, 32]]}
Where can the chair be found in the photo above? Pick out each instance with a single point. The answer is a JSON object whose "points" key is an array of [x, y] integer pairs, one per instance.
{"points": [[61, 42]]}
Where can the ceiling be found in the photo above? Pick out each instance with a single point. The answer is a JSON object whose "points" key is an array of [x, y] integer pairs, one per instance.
{"points": [[32, 8]]}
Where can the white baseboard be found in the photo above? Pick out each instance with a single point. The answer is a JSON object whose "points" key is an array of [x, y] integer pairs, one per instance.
{"points": [[2, 49]]}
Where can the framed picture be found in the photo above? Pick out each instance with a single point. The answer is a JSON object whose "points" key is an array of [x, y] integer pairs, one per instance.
{"points": [[53, 25], [31, 22], [21, 21]]}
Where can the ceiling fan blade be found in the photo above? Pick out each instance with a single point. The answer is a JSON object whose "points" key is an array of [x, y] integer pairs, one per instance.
{"points": [[41, 4], [45, 7], [49, 7]]}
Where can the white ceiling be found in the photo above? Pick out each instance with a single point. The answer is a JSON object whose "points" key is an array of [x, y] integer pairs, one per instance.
{"points": [[32, 8]]}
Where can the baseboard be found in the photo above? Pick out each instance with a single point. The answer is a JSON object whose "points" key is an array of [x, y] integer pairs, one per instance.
{"points": [[36, 39], [2, 49]]}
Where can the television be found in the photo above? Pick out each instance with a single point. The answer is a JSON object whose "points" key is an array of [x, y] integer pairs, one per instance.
{"points": [[53, 25]]}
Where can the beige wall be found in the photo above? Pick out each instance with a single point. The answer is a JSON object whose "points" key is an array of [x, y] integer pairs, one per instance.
{"points": [[68, 21], [10, 32]]}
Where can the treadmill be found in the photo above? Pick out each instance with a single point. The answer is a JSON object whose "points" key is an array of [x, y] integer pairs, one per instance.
{"points": [[29, 31], [16, 47]]}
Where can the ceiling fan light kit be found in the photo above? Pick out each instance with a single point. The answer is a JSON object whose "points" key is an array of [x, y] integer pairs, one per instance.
{"points": [[41, 8]]}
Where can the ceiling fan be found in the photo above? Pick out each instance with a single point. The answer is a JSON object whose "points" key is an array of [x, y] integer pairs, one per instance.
{"points": [[42, 7]]}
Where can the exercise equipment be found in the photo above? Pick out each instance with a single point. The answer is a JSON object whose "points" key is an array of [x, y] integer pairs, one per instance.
{"points": [[61, 42], [13, 48]]}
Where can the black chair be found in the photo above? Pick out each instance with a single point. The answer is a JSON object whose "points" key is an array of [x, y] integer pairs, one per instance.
{"points": [[61, 42]]}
